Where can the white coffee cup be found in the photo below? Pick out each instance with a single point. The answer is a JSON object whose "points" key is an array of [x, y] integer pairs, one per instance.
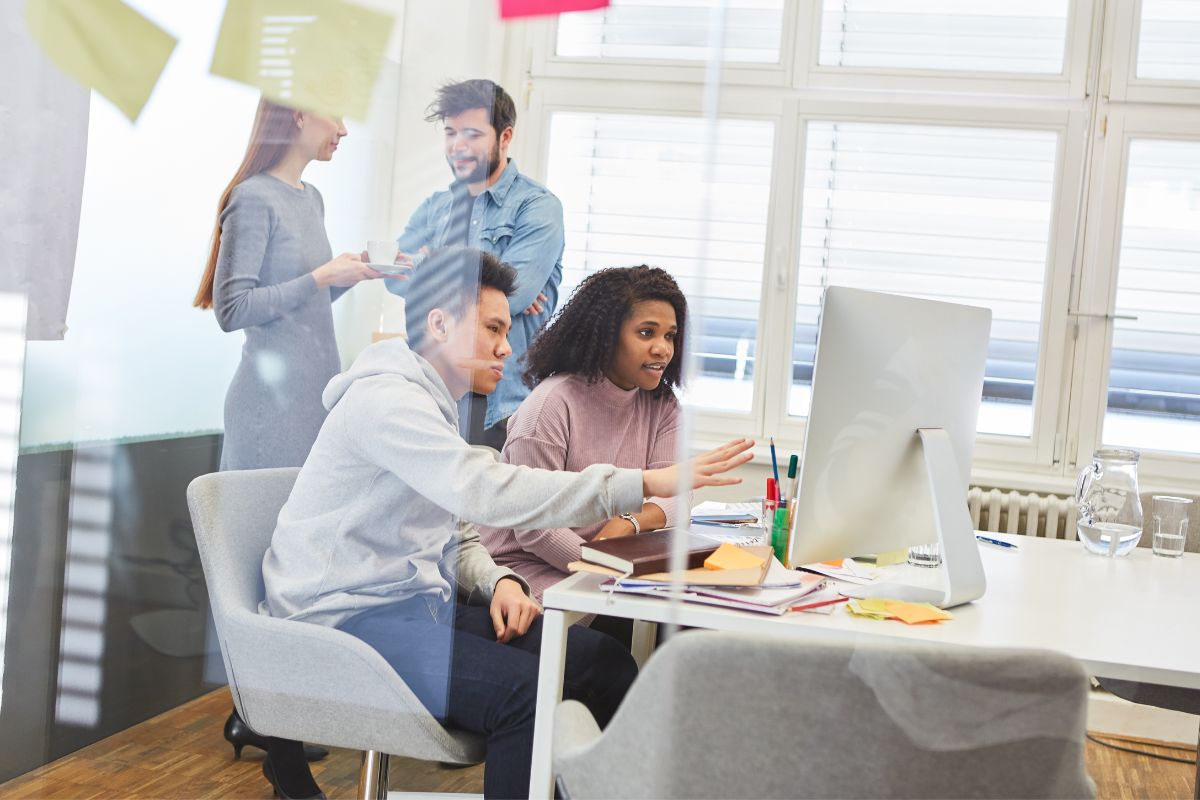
{"points": [[382, 251]]}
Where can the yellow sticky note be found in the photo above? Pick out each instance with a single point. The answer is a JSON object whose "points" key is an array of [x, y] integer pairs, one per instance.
{"points": [[917, 613], [103, 44], [730, 556], [855, 607], [320, 55], [876, 604]]}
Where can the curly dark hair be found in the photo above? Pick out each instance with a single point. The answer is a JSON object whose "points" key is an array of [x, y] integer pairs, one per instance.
{"points": [[583, 336]]}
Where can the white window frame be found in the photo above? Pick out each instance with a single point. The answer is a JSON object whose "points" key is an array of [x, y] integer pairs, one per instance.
{"points": [[1121, 48], [544, 61], [1098, 290], [1037, 451], [1069, 83]]}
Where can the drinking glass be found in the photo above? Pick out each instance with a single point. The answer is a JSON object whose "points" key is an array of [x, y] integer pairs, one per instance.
{"points": [[925, 555], [1170, 525]]}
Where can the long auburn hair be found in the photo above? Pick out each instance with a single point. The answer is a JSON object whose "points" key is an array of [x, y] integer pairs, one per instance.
{"points": [[272, 134], [584, 334]]}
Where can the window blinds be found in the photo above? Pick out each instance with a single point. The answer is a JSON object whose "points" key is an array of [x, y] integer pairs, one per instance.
{"points": [[946, 213], [1169, 41], [673, 29], [1154, 380], [633, 190], [976, 35]]}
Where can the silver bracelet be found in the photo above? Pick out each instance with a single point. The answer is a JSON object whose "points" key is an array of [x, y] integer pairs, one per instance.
{"points": [[637, 526]]}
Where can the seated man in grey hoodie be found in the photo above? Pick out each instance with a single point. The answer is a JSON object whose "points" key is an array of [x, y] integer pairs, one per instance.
{"points": [[380, 527]]}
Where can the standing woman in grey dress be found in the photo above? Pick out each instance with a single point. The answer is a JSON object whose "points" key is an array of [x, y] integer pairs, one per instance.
{"points": [[271, 273]]}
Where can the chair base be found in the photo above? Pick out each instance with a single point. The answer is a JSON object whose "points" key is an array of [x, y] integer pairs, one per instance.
{"points": [[373, 776]]}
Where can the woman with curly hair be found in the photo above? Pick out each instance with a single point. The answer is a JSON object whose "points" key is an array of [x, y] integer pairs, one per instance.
{"points": [[603, 376]]}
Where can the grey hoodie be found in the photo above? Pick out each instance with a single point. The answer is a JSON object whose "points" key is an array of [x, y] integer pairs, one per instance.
{"points": [[374, 516]]}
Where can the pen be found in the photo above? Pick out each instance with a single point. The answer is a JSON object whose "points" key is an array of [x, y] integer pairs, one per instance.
{"points": [[794, 485], [774, 462], [996, 542], [818, 605]]}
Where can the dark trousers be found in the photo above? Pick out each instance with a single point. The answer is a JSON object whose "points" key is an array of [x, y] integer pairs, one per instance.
{"points": [[448, 655]]}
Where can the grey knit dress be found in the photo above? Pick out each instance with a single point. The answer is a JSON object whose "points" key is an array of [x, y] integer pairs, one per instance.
{"points": [[272, 237]]}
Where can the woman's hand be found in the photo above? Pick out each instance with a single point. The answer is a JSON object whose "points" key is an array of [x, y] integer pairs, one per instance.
{"points": [[615, 528], [344, 271], [512, 610], [704, 470]]}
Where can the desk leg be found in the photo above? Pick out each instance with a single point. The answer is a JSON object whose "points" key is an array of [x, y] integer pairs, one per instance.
{"points": [[645, 634], [549, 694]]}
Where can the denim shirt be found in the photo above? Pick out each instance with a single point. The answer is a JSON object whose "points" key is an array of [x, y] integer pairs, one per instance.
{"points": [[521, 223]]}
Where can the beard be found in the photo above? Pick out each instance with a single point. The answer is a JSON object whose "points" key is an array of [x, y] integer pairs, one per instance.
{"points": [[483, 170]]}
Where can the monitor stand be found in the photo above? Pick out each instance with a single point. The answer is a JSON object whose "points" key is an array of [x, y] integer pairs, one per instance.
{"points": [[962, 568]]}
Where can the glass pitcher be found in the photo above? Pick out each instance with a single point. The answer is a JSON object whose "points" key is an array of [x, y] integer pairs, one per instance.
{"points": [[1110, 505]]}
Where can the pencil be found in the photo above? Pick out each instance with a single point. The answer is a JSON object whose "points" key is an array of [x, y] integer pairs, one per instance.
{"points": [[774, 462], [818, 605]]}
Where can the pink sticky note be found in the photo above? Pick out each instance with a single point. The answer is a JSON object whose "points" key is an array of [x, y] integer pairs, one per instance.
{"points": [[510, 9]]}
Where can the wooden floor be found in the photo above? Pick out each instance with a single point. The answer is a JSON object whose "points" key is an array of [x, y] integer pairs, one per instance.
{"points": [[181, 754]]}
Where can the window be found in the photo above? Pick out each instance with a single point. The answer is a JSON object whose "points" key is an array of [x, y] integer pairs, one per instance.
{"points": [[1154, 377], [965, 35], [1026, 156], [955, 214], [634, 189], [1169, 40], [671, 29]]}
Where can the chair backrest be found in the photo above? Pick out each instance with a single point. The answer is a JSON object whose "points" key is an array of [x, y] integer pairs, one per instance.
{"points": [[234, 514], [732, 715], [294, 679]]}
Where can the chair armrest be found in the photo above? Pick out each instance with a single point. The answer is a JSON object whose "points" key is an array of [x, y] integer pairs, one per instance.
{"points": [[575, 729]]}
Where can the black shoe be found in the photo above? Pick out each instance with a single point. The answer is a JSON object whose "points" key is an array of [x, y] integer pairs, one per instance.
{"points": [[269, 774], [239, 734]]}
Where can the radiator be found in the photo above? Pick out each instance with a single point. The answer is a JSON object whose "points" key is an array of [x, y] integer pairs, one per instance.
{"points": [[1031, 514]]}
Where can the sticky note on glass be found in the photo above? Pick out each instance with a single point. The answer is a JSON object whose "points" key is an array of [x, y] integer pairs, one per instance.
{"points": [[103, 44], [511, 9], [730, 556], [319, 55]]}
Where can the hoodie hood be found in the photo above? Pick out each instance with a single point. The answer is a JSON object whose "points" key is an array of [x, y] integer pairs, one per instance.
{"points": [[391, 358]]}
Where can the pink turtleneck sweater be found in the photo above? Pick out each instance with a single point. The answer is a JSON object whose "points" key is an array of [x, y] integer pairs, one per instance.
{"points": [[567, 423]]}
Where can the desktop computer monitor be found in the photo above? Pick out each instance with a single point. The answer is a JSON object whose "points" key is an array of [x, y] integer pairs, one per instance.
{"points": [[896, 388]]}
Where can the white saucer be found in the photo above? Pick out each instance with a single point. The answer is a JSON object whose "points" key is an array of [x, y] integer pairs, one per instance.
{"points": [[391, 269]]}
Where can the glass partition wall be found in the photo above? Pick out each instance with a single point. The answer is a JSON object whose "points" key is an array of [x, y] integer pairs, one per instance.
{"points": [[1038, 159]]}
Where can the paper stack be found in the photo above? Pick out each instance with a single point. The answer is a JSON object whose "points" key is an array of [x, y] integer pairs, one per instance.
{"points": [[780, 589]]}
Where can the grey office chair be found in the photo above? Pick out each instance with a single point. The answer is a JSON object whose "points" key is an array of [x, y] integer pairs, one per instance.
{"points": [[293, 679], [732, 715]]}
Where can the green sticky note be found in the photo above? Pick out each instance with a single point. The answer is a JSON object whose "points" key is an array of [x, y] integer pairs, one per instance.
{"points": [[319, 55], [103, 44]]}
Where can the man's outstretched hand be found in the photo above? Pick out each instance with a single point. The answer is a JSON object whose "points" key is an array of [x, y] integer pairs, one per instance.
{"points": [[707, 469]]}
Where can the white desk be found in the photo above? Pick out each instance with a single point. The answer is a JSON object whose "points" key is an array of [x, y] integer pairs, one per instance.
{"points": [[1136, 618]]}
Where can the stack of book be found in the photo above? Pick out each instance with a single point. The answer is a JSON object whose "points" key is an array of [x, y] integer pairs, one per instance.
{"points": [[753, 581]]}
